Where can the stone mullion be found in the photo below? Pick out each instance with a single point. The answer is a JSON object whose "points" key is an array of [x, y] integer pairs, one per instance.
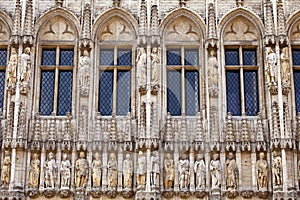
{"points": [[120, 169], [176, 160], [43, 158], [73, 160], [253, 165], [89, 158], [58, 163], [104, 171]]}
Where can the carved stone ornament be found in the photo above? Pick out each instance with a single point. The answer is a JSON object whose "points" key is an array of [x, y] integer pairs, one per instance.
{"points": [[32, 193], [49, 193], [263, 194], [65, 193], [111, 194], [247, 194], [127, 193], [168, 193], [200, 194], [96, 192], [232, 194]]}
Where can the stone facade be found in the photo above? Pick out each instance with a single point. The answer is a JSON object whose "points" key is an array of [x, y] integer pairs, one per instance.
{"points": [[137, 146]]}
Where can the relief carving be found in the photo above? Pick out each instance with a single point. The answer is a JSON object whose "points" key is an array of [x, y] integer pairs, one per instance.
{"points": [[25, 65], [155, 64], [232, 172], [12, 67], [169, 172], [34, 172], [182, 29], [127, 172], [262, 172], [240, 29], [213, 73], [81, 168], [141, 61], [184, 172], [5, 178], [112, 172], [141, 170], [58, 29], [65, 171], [84, 73], [50, 171], [115, 30], [96, 171], [3, 32], [215, 171], [154, 178], [277, 169], [199, 168]]}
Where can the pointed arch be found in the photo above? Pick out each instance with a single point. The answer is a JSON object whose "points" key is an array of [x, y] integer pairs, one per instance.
{"points": [[250, 17], [115, 14], [183, 14], [5, 26], [49, 18], [293, 26]]}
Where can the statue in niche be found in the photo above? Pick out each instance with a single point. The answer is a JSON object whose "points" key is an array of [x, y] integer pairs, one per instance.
{"points": [[215, 171], [34, 172], [112, 171], [84, 70], [270, 68], [213, 69], [50, 171], [25, 65], [127, 172], [5, 178], [141, 169], [285, 66], [184, 172], [141, 61], [65, 171], [262, 172], [96, 170], [12, 66], [155, 64], [169, 172], [199, 168], [232, 172], [277, 169], [82, 171], [154, 178]]}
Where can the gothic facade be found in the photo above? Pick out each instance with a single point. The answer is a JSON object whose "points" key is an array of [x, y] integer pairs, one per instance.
{"points": [[150, 99]]}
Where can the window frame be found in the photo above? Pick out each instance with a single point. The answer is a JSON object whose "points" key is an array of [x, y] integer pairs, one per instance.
{"points": [[4, 68], [56, 68], [294, 68], [183, 68], [115, 68], [241, 68]]}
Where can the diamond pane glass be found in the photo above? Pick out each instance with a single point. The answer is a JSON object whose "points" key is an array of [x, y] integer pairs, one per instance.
{"points": [[249, 57], [123, 93], [251, 93], [66, 57], [174, 92], [173, 57], [191, 93], [47, 92], [124, 57], [2, 84], [191, 57], [107, 57], [232, 57], [105, 92], [64, 101], [3, 57], [49, 57], [233, 92], [297, 89], [296, 56]]}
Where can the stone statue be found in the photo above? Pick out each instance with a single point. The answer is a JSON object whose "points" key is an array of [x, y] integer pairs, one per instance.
{"points": [[215, 171], [169, 172], [112, 172], [154, 178], [34, 172], [270, 68], [155, 64], [184, 172], [199, 168], [277, 169], [50, 171], [5, 178], [213, 69], [65, 170], [84, 70], [285, 66], [141, 61], [96, 170], [232, 172], [25, 65], [12, 66], [82, 170], [127, 172], [141, 169], [262, 172]]}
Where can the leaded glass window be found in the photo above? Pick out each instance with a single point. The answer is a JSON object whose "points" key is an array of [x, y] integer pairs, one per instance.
{"points": [[3, 57], [242, 93], [56, 81], [115, 81], [296, 66], [183, 81], [3, 62]]}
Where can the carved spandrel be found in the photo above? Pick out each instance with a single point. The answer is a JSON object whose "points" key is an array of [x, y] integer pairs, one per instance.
{"points": [[240, 29], [58, 29], [182, 29], [115, 30], [295, 33], [4, 36]]}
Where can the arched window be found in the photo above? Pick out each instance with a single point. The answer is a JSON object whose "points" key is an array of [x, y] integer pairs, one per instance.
{"points": [[115, 39], [183, 63], [241, 50], [56, 66]]}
